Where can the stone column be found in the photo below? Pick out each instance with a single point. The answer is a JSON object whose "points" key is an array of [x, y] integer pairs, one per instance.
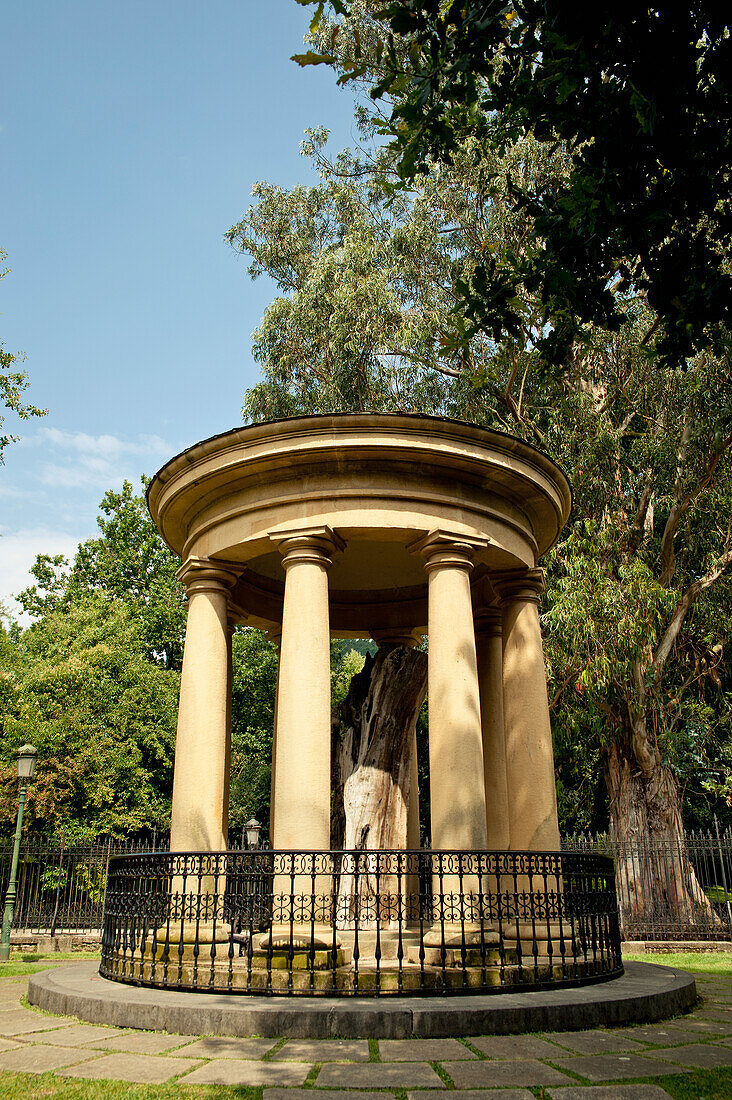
{"points": [[457, 792], [199, 779], [532, 795], [302, 766], [230, 625], [489, 646], [457, 795], [274, 636]]}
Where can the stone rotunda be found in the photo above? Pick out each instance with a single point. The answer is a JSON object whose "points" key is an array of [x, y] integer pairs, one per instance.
{"points": [[389, 527], [376, 526]]}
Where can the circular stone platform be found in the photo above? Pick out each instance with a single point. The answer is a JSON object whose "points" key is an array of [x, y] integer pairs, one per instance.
{"points": [[644, 993]]}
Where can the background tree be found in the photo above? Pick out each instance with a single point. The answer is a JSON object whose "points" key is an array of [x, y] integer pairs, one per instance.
{"points": [[639, 686], [80, 687], [641, 96]]}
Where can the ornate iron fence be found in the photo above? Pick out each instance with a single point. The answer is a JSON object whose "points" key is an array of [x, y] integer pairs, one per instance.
{"points": [[360, 922], [669, 889], [61, 887], [665, 891]]}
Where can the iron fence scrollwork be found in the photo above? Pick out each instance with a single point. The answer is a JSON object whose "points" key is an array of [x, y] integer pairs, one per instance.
{"points": [[360, 922]]}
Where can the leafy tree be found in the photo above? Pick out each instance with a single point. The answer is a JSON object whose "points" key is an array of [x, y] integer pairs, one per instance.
{"points": [[13, 384], [129, 562], [641, 97], [639, 587], [254, 684], [94, 681], [78, 685]]}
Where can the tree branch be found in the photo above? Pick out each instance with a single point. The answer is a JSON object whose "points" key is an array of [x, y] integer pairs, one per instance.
{"points": [[682, 501], [687, 601]]}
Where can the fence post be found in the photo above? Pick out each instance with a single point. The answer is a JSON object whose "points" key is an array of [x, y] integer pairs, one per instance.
{"points": [[724, 873]]}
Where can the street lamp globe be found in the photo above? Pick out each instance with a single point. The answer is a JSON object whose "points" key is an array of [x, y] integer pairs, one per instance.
{"points": [[27, 756], [252, 830]]}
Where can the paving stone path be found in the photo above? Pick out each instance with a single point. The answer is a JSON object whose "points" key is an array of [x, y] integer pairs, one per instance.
{"points": [[569, 1065]]}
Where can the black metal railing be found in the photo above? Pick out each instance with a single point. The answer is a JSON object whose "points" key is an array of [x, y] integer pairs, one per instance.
{"points": [[678, 888], [360, 922]]}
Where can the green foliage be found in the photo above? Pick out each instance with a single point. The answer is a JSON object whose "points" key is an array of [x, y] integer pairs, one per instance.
{"points": [[128, 562], [79, 686], [253, 701], [638, 587], [641, 97]]}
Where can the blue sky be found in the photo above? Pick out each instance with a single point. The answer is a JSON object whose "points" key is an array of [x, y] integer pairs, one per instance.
{"points": [[131, 135]]}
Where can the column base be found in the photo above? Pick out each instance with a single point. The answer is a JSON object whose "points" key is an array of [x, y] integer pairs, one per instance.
{"points": [[302, 937], [203, 932], [455, 935]]}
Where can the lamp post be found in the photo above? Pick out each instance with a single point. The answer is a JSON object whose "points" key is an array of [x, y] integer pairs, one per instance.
{"points": [[252, 830], [27, 755]]}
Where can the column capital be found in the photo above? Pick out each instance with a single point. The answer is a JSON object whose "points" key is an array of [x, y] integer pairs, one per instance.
{"points": [[519, 584], [208, 575], [441, 549], [317, 544], [488, 622]]}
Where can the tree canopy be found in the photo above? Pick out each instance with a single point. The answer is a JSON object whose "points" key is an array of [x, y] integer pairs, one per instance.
{"points": [[639, 586], [640, 96]]}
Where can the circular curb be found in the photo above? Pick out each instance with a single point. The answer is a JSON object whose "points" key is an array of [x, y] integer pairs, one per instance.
{"points": [[644, 993]]}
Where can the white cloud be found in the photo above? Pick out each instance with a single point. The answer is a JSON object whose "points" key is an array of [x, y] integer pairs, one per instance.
{"points": [[79, 460], [19, 550]]}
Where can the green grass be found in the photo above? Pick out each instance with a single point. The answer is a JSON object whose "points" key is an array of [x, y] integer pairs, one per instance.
{"points": [[19, 966], [29, 1086], [701, 1084], [698, 962]]}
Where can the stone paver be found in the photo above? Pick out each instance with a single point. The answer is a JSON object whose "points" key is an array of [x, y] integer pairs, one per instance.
{"points": [[701, 1055], [423, 1050], [610, 1092], [611, 1067], [143, 1042], [79, 1035], [705, 1027], [515, 1047], [466, 1094], [237, 1071], [323, 1050], [23, 1022], [38, 1058], [142, 1069], [660, 1034], [403, 1075], [217, 1046], [593, 1042], [512, 1064], [712, 1012], [475, 1075], [327, 1094]]}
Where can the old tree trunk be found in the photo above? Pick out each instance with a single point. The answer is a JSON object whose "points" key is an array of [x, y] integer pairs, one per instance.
{"points": [[373, 742], [656, 882]]}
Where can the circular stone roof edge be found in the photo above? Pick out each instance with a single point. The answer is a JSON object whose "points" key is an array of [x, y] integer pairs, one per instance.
{"points": [[188, 457]]}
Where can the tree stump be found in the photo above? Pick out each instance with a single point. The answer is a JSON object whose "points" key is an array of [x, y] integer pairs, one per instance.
{"points": [[373, 740]]}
